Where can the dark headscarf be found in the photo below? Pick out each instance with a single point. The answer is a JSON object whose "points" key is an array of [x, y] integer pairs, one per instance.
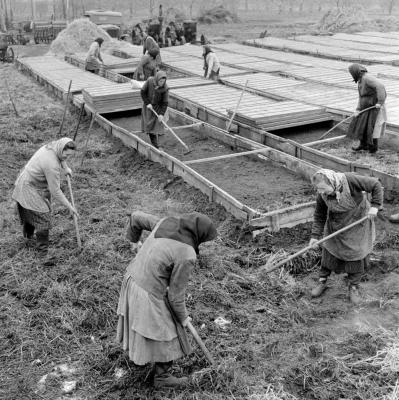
{"points": [[99, 41], [192, 229], [357, 71], [158, 76]]}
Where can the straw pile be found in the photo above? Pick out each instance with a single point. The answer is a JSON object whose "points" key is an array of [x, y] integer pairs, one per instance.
{"points": [[217, 14], [78, 36], [342, 19]]}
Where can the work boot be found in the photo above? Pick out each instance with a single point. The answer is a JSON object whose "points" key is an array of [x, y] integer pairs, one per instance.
{"points": [[354, 295], [164, 379], [320, 288], [394, 218], [374, 147], [362, 146]]}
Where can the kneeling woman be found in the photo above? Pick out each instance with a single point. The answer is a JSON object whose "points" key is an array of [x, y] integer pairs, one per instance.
{"points": [[37, 183], [342, 200], [152, 305]]}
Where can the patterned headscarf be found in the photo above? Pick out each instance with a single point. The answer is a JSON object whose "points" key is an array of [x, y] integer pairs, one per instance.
{"points": [[58, 146], [335, 179], [357, 71], [192, 229]]}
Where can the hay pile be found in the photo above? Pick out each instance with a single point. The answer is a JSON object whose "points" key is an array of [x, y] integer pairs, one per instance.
{"points": [[217, 14], [341, 19]]}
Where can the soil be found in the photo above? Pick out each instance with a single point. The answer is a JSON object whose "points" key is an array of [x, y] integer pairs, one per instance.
{"points": [[57, 323], [262, 185]]}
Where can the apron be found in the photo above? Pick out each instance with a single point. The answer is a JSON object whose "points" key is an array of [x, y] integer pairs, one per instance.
{"points": [[357, 242]]}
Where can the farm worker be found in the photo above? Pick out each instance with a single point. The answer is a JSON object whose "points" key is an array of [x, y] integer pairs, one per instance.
{"points": [[368, 126], [155, 97], [147, 66], [150, 44], [152, 308], [37, 184], [93, 58], [211, 64], [342, 200]]}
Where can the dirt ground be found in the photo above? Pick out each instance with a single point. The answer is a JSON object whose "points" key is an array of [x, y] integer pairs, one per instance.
{"points": [[57, 324], [261, 185]]}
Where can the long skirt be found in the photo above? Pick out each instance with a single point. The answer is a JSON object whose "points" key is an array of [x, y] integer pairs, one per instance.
{"points": [[150, 123], [338, 266], [142, 350], [362, 126], [41, 221]]}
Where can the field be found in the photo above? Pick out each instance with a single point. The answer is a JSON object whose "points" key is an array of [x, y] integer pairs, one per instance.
{"points": [[57, 324]]}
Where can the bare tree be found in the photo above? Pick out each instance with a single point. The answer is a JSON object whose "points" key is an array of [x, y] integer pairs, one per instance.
{"points": [[2, 15]]}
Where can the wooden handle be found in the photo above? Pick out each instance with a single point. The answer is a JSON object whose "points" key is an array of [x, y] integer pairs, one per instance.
{"points": [[304, 250], [88, 136], [339, 123], [65, 109], [171, 131], [236, 109], [75, 219], [200, 343]]}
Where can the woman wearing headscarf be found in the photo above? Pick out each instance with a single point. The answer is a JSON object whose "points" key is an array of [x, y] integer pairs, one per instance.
{"points": [[368, 126], [37, 184], [93, 58], [151, 306], [147, 66], [155, 97], [341, 200], [211, 64]]}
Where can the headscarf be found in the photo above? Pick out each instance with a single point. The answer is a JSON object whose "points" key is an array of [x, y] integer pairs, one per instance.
{"points": [[58, 146], [153, 52], [335, 179], [192, 229], [158, 76], [99, 41], [357, 71], [207, 49]]}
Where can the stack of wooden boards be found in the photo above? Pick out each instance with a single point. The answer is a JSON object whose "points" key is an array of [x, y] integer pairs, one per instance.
{"points": [[122, 97], [282, 114], [118, 97]]}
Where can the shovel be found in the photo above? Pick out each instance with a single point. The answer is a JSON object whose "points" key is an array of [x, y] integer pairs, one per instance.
{"points": [[269, 268], [339, 123], [188, 150]]}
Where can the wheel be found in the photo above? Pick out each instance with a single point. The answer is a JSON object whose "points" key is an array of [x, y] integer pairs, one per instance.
{"points": [[9, 56]]}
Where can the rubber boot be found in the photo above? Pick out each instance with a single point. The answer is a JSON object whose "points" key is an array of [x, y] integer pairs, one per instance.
{"points": [[28, 230], [154, 140], [320, 288], [164, 379], [362, 146], [354, 295], [374, 147], [42, 240]]}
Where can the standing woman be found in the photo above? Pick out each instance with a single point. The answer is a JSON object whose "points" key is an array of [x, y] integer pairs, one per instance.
{"points": [[147, 66], [37, 183], [152, 305], [93, 58], [369, 125], [211, 64], [155, 97], [342, 200]]}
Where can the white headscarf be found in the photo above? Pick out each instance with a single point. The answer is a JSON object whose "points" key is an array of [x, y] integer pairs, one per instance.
{"points": [[335, 179], [58, 146]]}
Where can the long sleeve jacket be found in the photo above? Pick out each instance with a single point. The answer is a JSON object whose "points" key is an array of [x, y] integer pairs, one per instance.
{"points": [[357, 185]]}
